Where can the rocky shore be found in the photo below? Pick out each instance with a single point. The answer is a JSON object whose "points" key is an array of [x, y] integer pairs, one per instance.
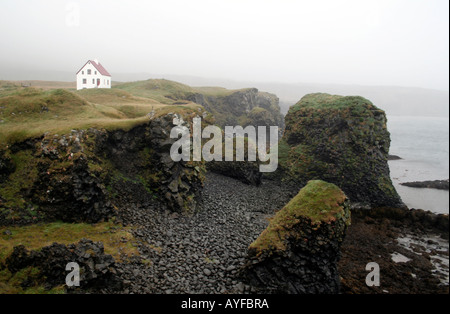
{"points": [[434, 184], [192, 228], [204, 253]]}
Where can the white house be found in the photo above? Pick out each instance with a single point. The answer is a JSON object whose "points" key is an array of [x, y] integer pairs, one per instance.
{"points": [[93, 75]]}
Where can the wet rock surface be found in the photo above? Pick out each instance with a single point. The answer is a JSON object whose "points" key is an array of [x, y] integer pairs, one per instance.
{"points": [[432, 184], [411, 248]]}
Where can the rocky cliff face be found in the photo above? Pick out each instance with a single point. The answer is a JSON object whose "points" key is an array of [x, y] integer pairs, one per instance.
{"points": [[88, 175], [243, 107], [342, 140], [299, 250]]}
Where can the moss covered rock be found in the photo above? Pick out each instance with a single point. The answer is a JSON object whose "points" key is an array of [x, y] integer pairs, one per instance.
{"points": [[87, 175], [241, 107], [299, 250], [342, 140]]}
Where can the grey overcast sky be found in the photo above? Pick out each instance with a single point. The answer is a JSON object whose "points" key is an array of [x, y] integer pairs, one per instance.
{"points": [[365, 42]]}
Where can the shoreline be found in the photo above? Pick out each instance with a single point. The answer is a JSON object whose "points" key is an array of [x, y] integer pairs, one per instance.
{"points": [[404, 171], [430, 184], [203, 253]]}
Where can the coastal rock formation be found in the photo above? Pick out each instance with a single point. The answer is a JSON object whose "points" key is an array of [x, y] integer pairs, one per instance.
{"points": [[342, 140], [247, 107], [97, 269], [243, 107], [142, 157], [88, 174], [435, 184], [299, 250], [245, 171]]}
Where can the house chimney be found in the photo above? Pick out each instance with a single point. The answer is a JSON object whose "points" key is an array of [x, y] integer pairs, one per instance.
{"points": [[96, 61]]}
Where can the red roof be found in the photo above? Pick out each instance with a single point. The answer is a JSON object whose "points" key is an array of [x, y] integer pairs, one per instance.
{"points": [[98, 66]]}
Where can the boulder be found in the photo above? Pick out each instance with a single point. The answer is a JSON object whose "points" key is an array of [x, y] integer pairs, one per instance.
{"points": [[299, 250]]}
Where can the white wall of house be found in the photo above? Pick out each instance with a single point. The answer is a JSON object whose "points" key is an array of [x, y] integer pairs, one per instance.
{"points": [[90, 77]]}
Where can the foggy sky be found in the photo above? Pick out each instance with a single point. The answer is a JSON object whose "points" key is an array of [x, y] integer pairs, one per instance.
{"points": [[365, 42]]}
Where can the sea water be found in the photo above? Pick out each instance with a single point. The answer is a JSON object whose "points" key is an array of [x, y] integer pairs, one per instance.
{"points": [[423, 145]]}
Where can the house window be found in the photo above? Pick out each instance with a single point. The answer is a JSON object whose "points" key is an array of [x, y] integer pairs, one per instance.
{"points": [[84, 81], [89, 72], [82, 72], [95, 72], [93, 81]]}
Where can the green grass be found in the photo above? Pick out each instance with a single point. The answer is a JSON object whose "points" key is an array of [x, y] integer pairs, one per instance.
{"points": [[117, 240], [163, 91], [324, 101], [57, 108], [30, 112], [319, 202], [170, 92], [21, 179], [12, 283]]}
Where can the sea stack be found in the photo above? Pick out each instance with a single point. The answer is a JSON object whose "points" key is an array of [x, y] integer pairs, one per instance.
{"points": [[342, 140]]}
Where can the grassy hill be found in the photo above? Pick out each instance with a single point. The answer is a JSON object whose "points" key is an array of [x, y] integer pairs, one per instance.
{"points": [[32, 108], [170, 92], [29, 111]]}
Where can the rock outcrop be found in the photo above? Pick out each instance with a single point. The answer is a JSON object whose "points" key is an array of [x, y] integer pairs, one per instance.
{"points": [[96, 269], [88, 174], [242, 107], [431, 184], [299, 250], [342, 140], [247, 107]]}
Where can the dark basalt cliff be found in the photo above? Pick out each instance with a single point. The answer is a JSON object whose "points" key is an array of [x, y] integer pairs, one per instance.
{"points": [[342, 140], [435, 184], [335, 149], [88, 174], [243, 107]]}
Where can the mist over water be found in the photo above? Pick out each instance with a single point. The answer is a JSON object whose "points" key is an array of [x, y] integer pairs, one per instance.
{"points": [[423, 145]]}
